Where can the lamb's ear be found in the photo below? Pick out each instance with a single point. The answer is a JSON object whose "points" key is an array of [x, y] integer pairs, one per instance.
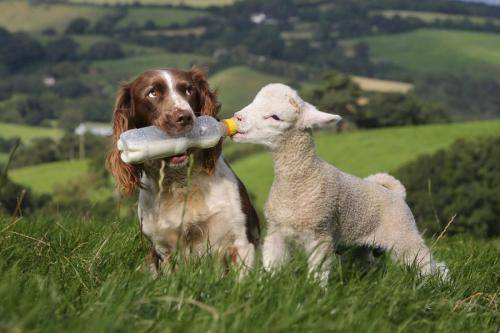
{"points": [[312, 117]]}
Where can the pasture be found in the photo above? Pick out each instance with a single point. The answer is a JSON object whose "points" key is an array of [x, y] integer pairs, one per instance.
{"points": [[27, 133], [20, 15], [429, 50], [366, 152], [238, 86], [44, 178], [434, 16], [382, 86], [64, 273]]}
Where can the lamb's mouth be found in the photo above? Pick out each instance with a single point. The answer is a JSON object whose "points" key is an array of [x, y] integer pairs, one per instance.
{"points": [[178, 161], [238, 136]]}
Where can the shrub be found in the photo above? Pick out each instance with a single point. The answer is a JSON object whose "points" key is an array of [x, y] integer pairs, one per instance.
{"points": [[78, 26], [62, 49], [14, 196], [105, 50], [462, 180], [394, 109]]}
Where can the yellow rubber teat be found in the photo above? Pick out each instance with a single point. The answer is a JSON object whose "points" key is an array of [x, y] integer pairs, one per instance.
{"points": [[231, 126]]}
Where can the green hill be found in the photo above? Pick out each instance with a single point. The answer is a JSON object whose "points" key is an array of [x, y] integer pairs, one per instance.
{"points": [[22, 15], [366, 152], [432, 50], [239, 85], [44, 178], [111, 72], [27, 133]]}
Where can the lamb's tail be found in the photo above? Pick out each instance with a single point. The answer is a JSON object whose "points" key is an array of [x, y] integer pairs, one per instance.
{"points": [[388, 182]]}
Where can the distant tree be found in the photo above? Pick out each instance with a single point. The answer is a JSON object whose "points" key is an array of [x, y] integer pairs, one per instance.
{"points": [[394, 109], [336, 93], [466, 95], [19, 50], [49, 32], [70, 119], [62, 49], [11, 194], [105, 50], [39, 150], [78, 26], [29, 109], [150, 25], [71, 88], [463, 180]]}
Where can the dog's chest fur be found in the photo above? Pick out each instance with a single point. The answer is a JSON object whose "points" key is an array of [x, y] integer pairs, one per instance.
{"points": [[208, 217]]}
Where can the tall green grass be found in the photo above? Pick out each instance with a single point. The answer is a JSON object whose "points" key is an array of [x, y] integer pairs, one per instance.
{"points": [[65, 274]]}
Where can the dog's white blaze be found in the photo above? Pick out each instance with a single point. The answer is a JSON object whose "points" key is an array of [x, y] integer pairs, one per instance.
{"points": [[179, 101]]}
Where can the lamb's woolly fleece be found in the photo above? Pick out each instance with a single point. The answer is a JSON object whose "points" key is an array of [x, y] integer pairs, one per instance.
{"points": [[317, 205]]}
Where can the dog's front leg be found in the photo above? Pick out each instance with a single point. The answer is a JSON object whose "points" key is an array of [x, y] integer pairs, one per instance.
{"points": [[155, 262]]}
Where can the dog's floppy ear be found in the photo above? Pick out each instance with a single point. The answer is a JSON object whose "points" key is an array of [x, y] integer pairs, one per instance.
{"points": [[208, 106], [127, 176], [311, 117]]}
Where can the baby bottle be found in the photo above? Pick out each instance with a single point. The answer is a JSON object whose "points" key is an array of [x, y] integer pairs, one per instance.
{"points": [[149, 143]]}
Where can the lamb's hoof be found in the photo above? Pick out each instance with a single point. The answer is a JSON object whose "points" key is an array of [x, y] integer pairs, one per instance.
{"points": [[442, 271]]}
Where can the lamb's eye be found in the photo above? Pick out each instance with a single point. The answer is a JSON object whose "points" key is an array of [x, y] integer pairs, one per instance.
{"points": [[275, 117], [152, 93], [189, 91]]}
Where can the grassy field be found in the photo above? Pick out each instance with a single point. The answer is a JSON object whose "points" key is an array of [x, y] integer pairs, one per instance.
{"points": [[429, 50], [366, 152], [191, 3], [3, 157], [384, 86], [239, 85], [27, 133], [66, 274], [433, 16], [162, 17], [44, 178], [111, 72], [22, 16]]}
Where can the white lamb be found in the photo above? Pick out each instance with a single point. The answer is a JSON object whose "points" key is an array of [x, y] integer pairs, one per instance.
{"points": [[316, 205]]}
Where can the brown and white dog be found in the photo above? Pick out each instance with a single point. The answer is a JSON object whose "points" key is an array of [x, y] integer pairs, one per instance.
{"points": [[216, 214]]}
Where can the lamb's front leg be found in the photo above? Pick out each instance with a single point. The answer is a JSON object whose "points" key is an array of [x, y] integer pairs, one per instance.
{"points": [[319, 249], [275, 250]]}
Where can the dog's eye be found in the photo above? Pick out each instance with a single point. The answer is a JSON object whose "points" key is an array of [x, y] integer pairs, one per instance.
{"points": [[275, 117], [152, 93], [189, 91]]}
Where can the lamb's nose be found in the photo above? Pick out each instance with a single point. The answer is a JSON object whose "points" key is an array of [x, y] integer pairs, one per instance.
{"points": [[183, 118], [238, 117]]}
